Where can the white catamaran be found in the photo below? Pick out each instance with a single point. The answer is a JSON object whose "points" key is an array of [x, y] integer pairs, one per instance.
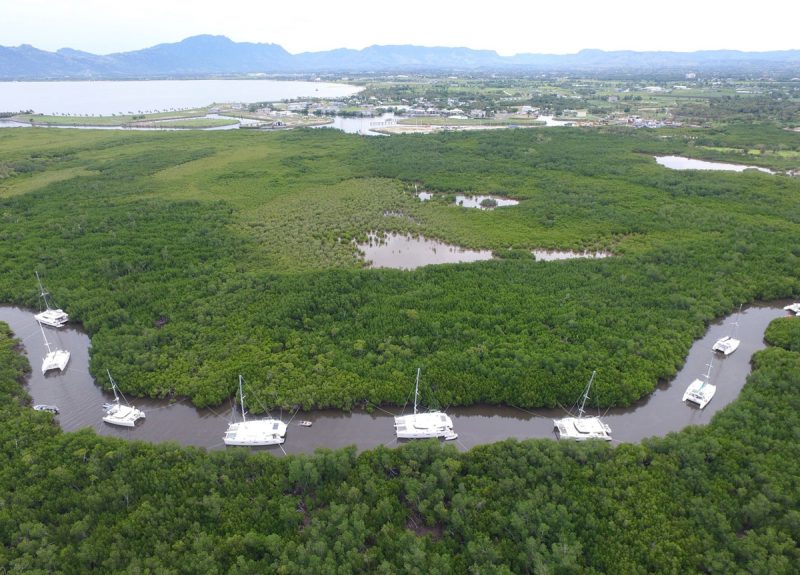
{"points": [[582, 427], [54, 358], [700, 391], [50, 316], [256, 431], [728, 344], [423, 425], [793, 308], [118, 413]]}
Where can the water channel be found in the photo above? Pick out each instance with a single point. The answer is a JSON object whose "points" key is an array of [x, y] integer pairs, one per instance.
{"points": [[80, 399]]}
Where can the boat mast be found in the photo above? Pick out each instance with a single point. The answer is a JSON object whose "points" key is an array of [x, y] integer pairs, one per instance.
{"points": [[241, 396], [586, 395], [42, 291], [708, 373], [736, 323], [416, 392], [46, 343], [113, 386]]}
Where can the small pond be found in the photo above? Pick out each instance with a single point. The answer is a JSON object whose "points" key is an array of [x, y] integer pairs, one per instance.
{"points": [[407, 253], [363, 126], [681, 163], [478, 202]]}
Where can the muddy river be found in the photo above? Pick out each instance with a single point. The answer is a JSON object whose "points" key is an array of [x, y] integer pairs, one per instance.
{"points": [[80, 399]]}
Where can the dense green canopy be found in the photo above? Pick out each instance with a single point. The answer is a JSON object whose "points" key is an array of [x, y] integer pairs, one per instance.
{"points": [[721, 499], [192, 257]]}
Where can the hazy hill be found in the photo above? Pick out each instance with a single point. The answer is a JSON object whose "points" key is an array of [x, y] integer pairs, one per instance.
{"points": [[207, 55]]}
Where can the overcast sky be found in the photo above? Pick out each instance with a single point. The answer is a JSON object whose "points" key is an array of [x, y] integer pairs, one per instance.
{"points": [[509, 27]]}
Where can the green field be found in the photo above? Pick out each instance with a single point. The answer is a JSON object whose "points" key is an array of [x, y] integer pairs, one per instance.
{"points": [[104, 121], [191, 123], [242, 241]]}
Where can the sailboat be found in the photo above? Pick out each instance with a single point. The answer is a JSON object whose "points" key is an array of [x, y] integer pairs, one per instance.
{"points": [[728, 344], [54, 358], [700, 391], [793, 308], [50, 316], [582, 427], [423, 425], [118, 413], [256, 431]]}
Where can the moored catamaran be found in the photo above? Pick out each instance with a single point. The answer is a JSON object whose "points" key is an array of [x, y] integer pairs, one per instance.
{"points": [[700, 391], [54, 358], [50, 316], [728, 344], [256, 431], [581, 428], [118, 413], [423, 425]]}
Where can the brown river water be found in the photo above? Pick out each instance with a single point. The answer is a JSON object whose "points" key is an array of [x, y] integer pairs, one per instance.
{"points": [[80, 399]]}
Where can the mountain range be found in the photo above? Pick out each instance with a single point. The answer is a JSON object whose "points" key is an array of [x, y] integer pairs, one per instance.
{"points": [[206, 55]]}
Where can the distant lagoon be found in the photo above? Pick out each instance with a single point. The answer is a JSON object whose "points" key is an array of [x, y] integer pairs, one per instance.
{"points": [[104, 98]]}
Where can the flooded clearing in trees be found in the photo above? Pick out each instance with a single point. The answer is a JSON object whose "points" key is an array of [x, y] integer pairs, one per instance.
{"points": [[481, 202], [484, 202], [405, 252]]}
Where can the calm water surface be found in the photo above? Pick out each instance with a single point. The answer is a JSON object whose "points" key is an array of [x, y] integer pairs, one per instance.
{"points": [[475, 202], [116, 97], [681, 163], [80, 399], [363, 126], [408, 253]]}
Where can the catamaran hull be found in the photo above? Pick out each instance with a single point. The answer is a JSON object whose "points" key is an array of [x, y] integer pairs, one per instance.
{"points": [[122, 415], [121, 422], [52, 317], [699, 393], [726, 346], [255, 433], [255, 443], [424, 426], [55, 360], [793, 308], [582, 429], [447, 435]]}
